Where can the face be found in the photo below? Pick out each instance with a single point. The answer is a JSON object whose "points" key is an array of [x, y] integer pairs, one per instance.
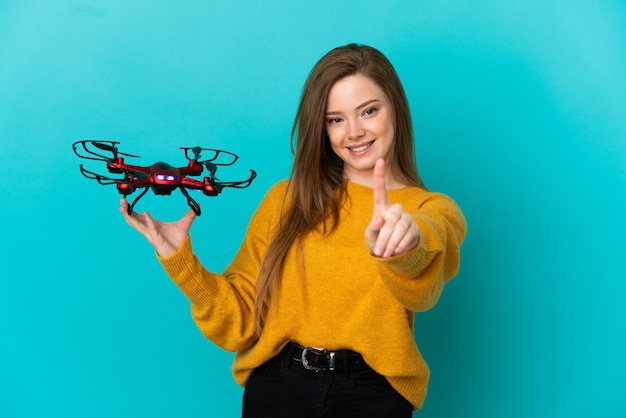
{"points": [[360, 126]]}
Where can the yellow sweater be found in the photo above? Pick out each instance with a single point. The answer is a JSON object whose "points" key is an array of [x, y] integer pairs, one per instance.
{"points": [[348, 298]]}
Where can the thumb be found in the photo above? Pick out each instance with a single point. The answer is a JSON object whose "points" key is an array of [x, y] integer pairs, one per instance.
{"points": [[372, 231], [188, 219]]}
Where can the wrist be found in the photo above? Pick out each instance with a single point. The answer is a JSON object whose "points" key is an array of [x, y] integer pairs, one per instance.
{"points": [[166, 250]]}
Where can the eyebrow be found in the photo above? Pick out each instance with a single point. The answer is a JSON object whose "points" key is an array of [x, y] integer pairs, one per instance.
{"points": [[361, 106]]}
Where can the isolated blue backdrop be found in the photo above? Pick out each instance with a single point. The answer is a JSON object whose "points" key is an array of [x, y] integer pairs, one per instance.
{"points": [[520, 115]]}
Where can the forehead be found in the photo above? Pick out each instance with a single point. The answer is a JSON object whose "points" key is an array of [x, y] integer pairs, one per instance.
{"points": [[349, 92]]}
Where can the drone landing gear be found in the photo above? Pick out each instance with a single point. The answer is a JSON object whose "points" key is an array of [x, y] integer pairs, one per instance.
{"points": [[190, 201], [132, 205]]}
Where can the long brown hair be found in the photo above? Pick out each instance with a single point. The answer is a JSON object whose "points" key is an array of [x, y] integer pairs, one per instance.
{"points": [[317, 186]]}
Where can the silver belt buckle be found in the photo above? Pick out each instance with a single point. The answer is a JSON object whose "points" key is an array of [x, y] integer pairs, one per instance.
{"points": [[318, 351]]}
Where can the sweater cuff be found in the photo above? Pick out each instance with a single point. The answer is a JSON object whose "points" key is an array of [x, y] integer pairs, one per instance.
{"points": [[185, 270], [409, 264], [176, 263]]}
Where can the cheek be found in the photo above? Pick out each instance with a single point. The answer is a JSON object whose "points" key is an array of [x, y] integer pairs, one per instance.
{"points": [[387, 127], [335, 139]]}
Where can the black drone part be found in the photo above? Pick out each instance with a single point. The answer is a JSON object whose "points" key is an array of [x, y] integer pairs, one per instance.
{"points": [[110, 146], [214, 155]]}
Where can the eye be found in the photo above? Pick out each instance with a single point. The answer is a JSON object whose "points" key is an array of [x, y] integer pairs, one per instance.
{"points": [[333, 121], [370, 111]]}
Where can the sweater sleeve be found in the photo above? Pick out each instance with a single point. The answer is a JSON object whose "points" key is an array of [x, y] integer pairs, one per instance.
{"points": [[416, 278], [222, 305]]}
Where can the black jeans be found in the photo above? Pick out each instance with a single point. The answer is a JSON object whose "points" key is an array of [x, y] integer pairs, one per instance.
{"points": [[283, 388]]}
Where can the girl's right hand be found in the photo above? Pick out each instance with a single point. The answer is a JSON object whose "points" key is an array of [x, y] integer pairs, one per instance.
{"points": [[165, 237]]}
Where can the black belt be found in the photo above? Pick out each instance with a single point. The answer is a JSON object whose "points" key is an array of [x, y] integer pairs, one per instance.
{"points": [[312, 358]]}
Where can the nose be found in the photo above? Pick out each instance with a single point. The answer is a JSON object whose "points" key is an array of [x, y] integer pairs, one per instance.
{"points": [[355, 130]]}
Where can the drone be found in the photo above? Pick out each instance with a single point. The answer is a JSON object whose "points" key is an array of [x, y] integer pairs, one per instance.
{"points": [[161, 177]]}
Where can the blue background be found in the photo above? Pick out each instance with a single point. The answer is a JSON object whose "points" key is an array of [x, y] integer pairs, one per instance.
{"points": [[520, 115]]}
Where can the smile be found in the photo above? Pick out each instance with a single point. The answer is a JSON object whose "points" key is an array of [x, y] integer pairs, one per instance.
{"points": [[361, 148]]}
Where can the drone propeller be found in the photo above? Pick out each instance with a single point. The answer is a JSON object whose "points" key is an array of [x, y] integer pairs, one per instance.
{"points": [[136, 173], [214, 154], [112, 148], [109, 146], [100, 178], [196, 153], [106, 147]]}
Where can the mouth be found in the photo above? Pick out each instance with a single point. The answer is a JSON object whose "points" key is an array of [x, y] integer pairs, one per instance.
{"points": [[361, 148]]}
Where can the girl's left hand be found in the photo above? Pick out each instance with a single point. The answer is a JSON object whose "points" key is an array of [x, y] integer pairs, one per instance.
{"points": [[165, 237], [392, 230]]}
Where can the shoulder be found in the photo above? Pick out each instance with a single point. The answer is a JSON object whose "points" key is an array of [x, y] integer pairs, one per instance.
{"points": [[274, 198], [443, 210], [413, 195], [421, 201], [268, 213], [278, 189], [276, 193]]}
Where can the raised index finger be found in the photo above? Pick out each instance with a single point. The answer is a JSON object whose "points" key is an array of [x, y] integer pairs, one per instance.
{"points": [[380, 188]]}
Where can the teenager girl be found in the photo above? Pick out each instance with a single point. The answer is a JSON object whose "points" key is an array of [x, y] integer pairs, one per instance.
{"points": [[319, 301]]}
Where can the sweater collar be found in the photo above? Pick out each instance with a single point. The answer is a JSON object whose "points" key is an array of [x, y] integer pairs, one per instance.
{"points": [[359, 191]]}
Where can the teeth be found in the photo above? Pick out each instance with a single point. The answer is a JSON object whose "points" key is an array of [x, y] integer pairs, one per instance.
{"points": [[361, 148]]}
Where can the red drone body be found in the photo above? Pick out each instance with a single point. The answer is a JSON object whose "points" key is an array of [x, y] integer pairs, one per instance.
{"points": [[162, 178]]}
